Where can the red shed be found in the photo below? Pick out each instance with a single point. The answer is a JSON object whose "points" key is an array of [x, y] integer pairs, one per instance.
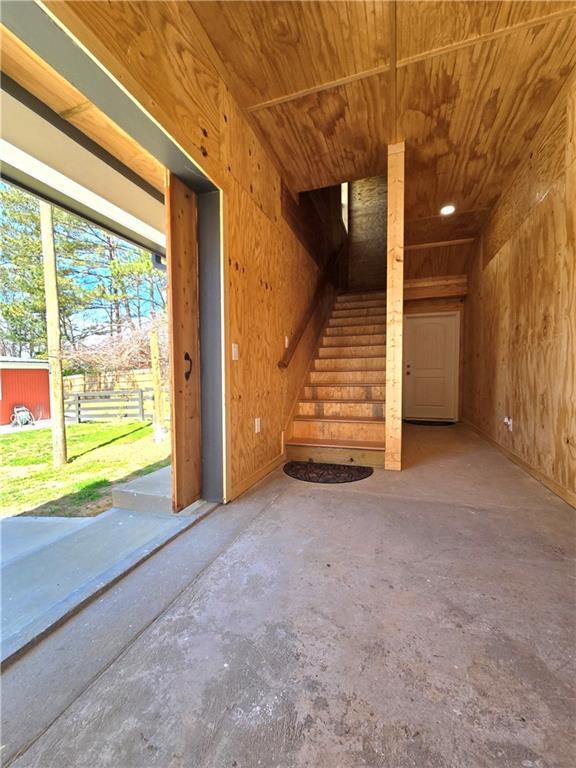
{"points": [[24, 382]]}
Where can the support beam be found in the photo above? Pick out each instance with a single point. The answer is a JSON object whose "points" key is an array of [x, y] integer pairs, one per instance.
{"points": [[394, 306], [449, 286]]}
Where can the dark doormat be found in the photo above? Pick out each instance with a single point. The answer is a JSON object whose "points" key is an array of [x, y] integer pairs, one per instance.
{"points": [[310, 472]]}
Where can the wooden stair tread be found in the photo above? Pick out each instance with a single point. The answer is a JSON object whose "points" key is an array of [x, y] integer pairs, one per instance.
{"points": [[340, 400], [348, 344], [361, 318], [342, 419], [335, 346], [352, 357], [343, 383], [360, 295], [361, 445], [346, 370]]}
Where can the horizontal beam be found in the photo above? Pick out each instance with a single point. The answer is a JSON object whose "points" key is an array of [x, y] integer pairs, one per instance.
{"points": [[319, 88], [486, 38], [450, 286], [439, 244]]}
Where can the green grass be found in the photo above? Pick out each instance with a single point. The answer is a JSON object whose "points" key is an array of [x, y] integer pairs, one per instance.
{"points": [[100, 454]]}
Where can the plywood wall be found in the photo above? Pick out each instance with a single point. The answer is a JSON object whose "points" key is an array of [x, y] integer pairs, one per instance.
{"points": [[367, 217], [521, 309], [161, 54]]}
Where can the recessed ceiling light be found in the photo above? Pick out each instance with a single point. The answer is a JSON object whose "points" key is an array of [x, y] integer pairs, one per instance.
{"points": [[447, 210]]}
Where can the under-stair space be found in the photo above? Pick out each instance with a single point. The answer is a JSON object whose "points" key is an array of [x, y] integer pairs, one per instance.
{"points": [[340, 415]]}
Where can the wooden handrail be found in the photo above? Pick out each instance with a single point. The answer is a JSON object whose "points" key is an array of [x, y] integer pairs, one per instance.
{"points": [[325, 278]]}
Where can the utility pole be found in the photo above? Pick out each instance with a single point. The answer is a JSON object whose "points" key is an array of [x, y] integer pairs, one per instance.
{"points": [[59, 454]]}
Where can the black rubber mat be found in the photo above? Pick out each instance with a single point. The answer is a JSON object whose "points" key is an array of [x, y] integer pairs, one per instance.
{"points": [[310, 472]]}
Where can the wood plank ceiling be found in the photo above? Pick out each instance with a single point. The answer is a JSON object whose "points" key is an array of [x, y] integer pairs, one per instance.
{"points": [[465, 84]]}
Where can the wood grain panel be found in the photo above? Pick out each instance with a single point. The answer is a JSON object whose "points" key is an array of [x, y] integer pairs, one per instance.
{"points": [[468, 116], [336, 135], [244, 158], [521, 326], [33, 74], [183, 305], [270, 282], [446, 260], [543, 164], [275, 49], [425, 27], [438, 229]]}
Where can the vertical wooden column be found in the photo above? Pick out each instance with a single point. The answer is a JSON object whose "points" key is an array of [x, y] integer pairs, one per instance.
{"points": [[59, 449], [183, 305], [394, 306]]}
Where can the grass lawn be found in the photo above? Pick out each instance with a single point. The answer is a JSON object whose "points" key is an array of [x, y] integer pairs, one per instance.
{"points": [[100, 454]]}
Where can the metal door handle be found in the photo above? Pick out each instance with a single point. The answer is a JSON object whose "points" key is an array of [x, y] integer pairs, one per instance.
{"points": [[188, 360]]}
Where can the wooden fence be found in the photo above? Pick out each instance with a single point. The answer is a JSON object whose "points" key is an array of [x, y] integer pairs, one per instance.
{"points": [[138, 378], [110, 388], [108, 405]]}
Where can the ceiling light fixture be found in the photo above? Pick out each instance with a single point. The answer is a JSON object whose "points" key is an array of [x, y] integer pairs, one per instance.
{"points": [[447, 210]]}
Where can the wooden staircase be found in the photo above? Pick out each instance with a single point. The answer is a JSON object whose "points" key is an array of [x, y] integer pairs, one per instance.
{"points": [[340, 415]]}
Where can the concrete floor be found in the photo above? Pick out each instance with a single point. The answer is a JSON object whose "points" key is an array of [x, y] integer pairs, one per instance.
{"points": [[422, 619]]}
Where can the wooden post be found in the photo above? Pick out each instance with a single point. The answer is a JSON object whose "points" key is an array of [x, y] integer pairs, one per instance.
{"points": [[157, 404], [394, 306], [77, 407], [182, 261], [59, 455], [141, 404]]}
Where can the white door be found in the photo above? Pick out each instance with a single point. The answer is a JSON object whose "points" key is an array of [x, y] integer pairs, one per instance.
{"points": [[431, 366]]}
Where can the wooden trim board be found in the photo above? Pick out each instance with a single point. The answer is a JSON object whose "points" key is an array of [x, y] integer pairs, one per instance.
{"points": [[394, 306], [247, 483], [183, 305], [450, 286]]}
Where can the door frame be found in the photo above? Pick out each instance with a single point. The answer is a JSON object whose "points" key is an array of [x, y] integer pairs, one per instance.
{"points": [[55, 44], [457, 344]]}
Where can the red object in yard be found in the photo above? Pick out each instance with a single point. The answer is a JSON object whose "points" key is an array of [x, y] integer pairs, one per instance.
{"points": [[24, 382]]}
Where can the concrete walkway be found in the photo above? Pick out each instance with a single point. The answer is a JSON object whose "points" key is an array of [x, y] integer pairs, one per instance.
{"points": [[9, 429], [52, 565], [414, 620], [149, 493]]}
